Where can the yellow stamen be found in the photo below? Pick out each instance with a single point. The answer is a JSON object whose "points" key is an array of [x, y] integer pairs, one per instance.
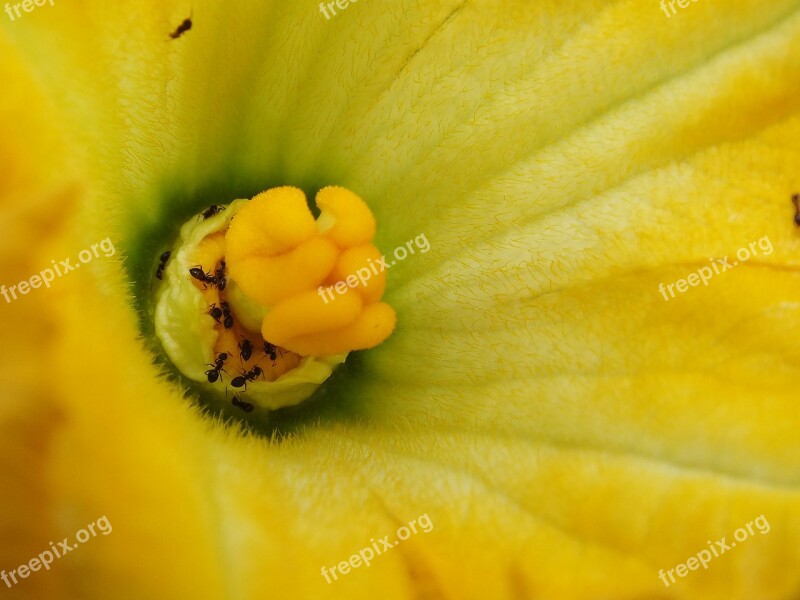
{"points": [[270, 279], [308, 313], [357, 264], [272, 222], [280, 257], [372, 327], [210, 329], [345, 218]]}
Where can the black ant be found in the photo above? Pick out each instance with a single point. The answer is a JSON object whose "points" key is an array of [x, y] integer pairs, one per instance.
{"points": [[212, 210], [223, 312], [270, 351], [796, 201], [246, 376], [245, 406], [227, 322], [162, 264], [246, 349], [214, 372], [215, 312], [182, 28], [205, 278], [239, 403], [219, 275]]}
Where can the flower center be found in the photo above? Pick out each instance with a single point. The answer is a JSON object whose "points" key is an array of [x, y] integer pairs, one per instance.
{"points": [[262, 302]]}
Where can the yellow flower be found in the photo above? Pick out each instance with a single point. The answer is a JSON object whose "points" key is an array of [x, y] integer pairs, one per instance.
{"points": [[568, 429]]}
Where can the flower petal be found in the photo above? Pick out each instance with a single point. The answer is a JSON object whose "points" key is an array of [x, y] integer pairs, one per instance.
{"points": [[568, 430]]}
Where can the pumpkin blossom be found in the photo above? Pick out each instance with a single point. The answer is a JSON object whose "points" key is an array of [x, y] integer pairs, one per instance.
{"points": [[572, 394]]}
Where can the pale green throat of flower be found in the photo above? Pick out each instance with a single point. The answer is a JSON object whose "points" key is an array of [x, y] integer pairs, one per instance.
{"points": [[244, 304]]}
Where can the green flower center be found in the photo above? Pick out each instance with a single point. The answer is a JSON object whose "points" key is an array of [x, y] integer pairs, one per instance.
{"points": [[240, 302]]}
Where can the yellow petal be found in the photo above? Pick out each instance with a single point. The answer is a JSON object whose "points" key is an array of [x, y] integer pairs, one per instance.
{"points": [[568, 430]]}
